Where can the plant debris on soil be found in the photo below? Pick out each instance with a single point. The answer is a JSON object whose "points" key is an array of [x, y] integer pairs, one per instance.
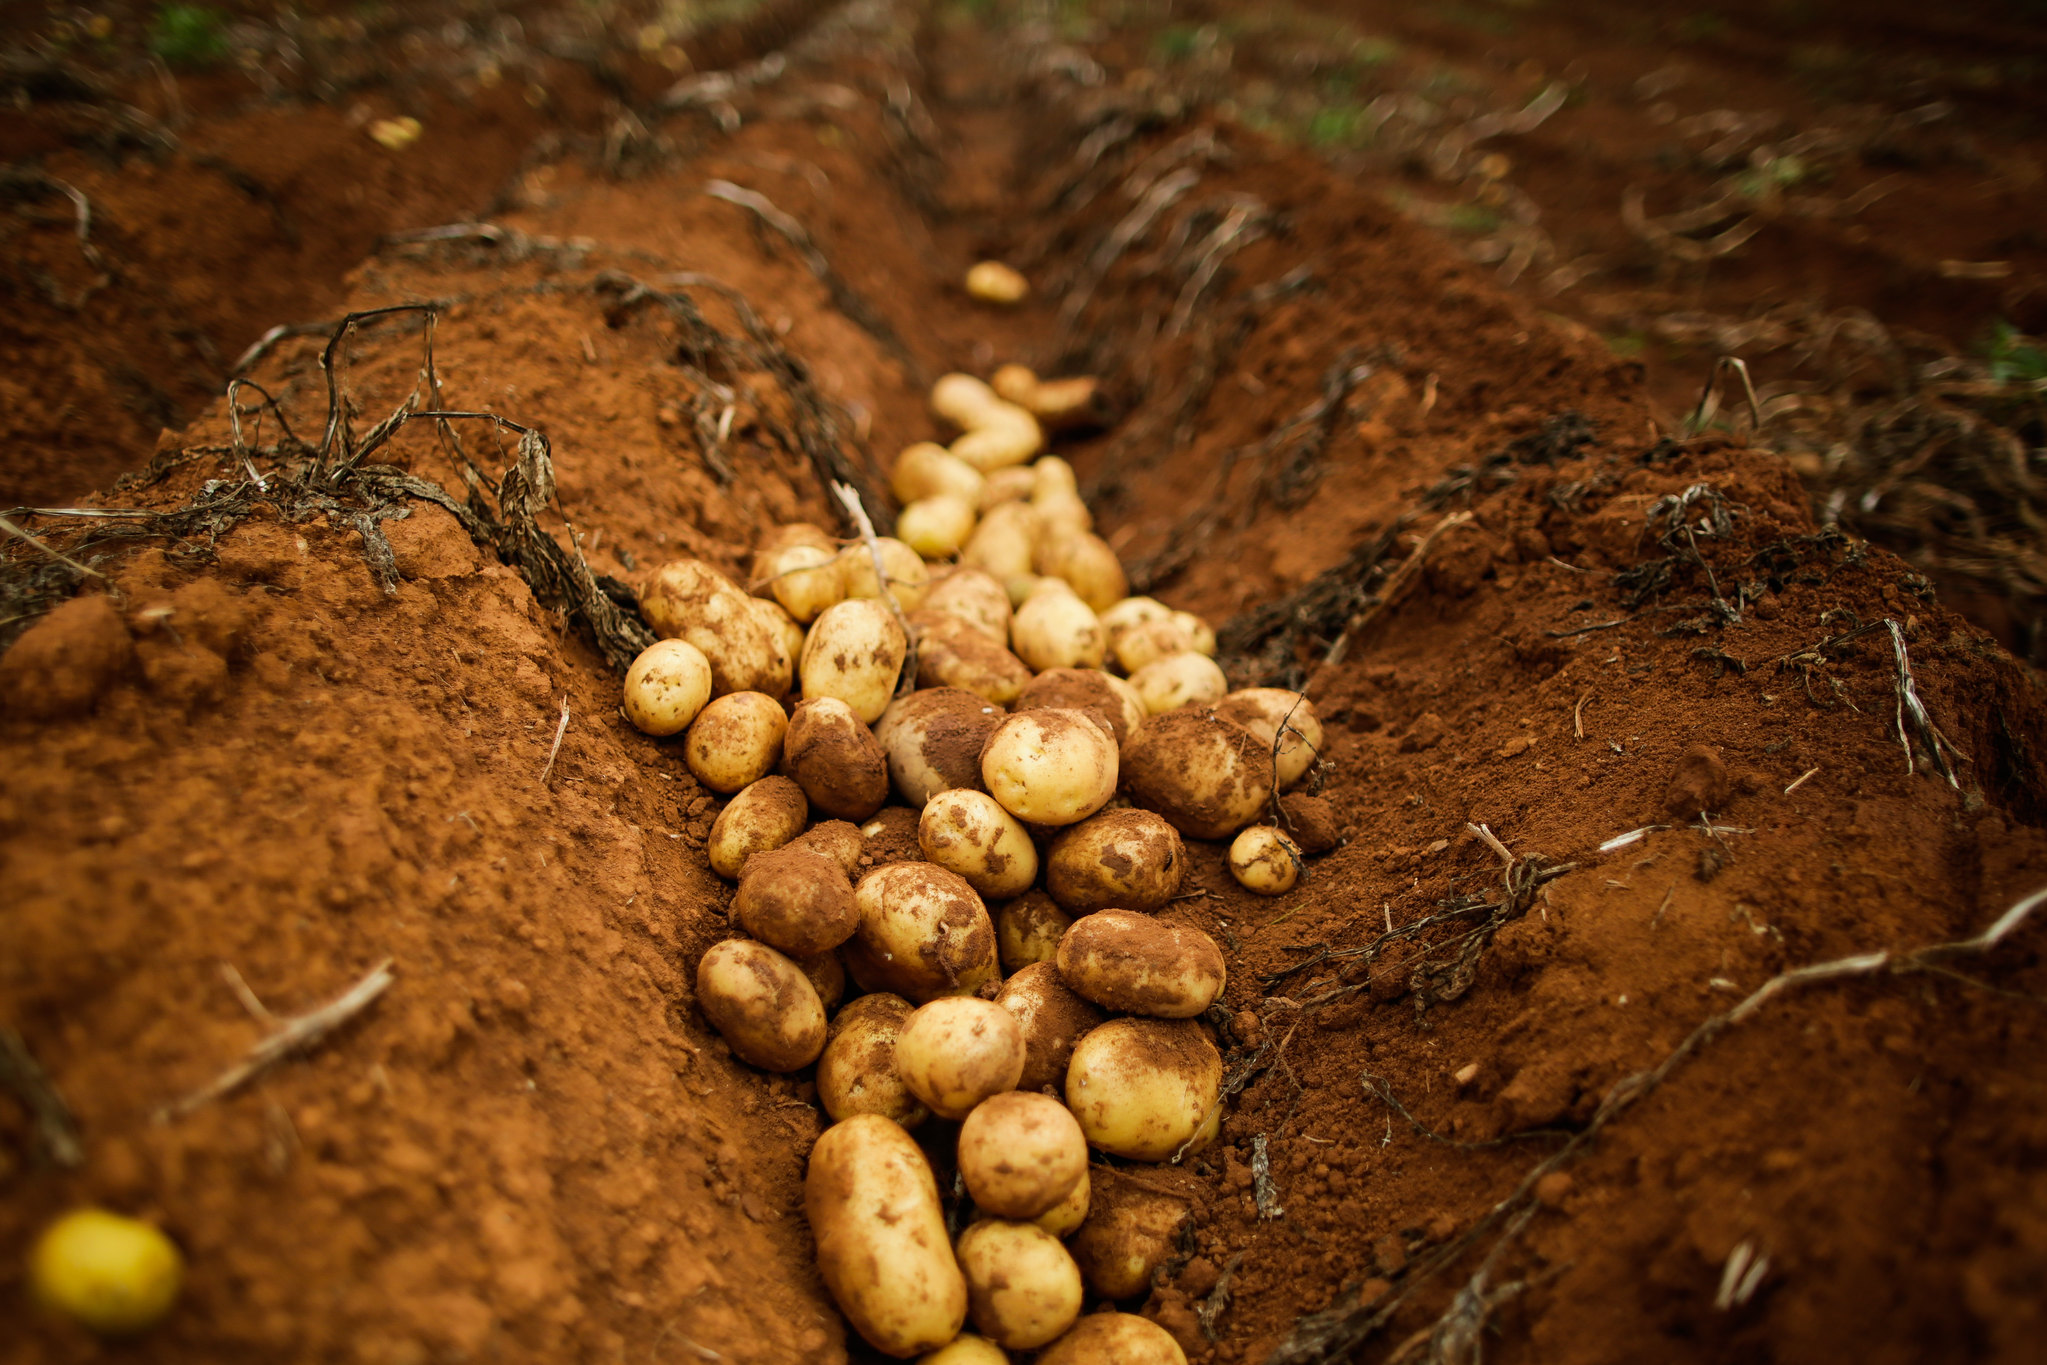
{"points": [[1674, 992]]}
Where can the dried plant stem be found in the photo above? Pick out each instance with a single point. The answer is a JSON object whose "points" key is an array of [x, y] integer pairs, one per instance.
{"points": [[559, 730], [56, 1129], [906, 681], [1397, 585]]}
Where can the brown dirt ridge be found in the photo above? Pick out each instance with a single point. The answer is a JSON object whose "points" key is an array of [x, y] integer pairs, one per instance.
{"points": [[1618, 732]]}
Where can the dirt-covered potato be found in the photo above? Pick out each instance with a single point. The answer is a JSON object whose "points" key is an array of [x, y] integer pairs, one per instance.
{"points": [[966, 1349], [1085, 689], [1129, 1233], [872, 1204], [1023, 1289], [933, 739], [827, 976], [1003, 542], [951, 653], [1007, 485], [1055, 629], [1204, 774], [968, 832], [762, 1004], [1050, 766], [936, 527], [975, 597], [890, 837], [780, 538], [1144, 1088], [839, 840], [765, 815], [956, 1051], [857, 1073], [1128, 859], [735, 741], [928, 469], [854, 652], [835, 759], [804, 579], [908, 576], [1135, 964], [1028, 929], [1264, 861], [1263, 711], [1053, 1018], [994, 282], [1184, 679], [1198, 630], [795, 900], [1123, 1338], [923, 934], [1134, 611], [1021, 1154], [689, 600], [785, 628], [666, 687], [1147, 643], [1085, 561]]}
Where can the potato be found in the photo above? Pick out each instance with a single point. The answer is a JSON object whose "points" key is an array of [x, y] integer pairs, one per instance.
{"points": [[994, 282], [1055, 629], [1139, 645], [1069, 1213], [1053, 1018], [736, 741], [781, 537], [1135, 964], [1084, 561], [1060, 404], [1085, 689], [1023, 1289], [1133, 704], [1263, 710], [1186, 679], [908, 577], [1021, 1154], [956, 1051], [762, 1004], [854, 652], [785, 628], [804, 580], [835, 759], [928, 469], [923, 934], [795, 900], [933, 739], [951, 653], [1205, 775], [1012, 483], [827, 976], [1051, 766], [689, 600], [1264, 861], [666, 687], [114, 1275], [1052, 477], [1003, 543], [1014, 383], [936, 527], [1123, 1338], [966, 1349], [1007, 436], [857, 1073], [963, 400], [1144, 1088], [872, 1204], [1198, 630], [1134, 611], [1028, 930], [839, 840], [1127, 859], [765, 815], [1129, 1233], [969, 833], [975, 598], [890, 837]]}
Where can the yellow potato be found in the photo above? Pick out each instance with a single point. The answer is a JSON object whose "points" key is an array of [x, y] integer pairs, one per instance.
{"points": [[1053, 1018], [951, 653], [1263, 710], [872, 1204], [1014, 383], [1023, 1289], [1131, 1230], [1027, 930], [765, 815], [908, 576], [1069, 1213], [936, 527], [1134, 964], [973, 597], [795, 900], [857, 1073], [1055, 629], [1198, 631], [1022, 587], [956, 1051], [994, 282], [1050, 766], [1084, 561], [762, 1004], [854, 652], [1008, 484], [1021, 1154], [1205, 775], [1185, 679], [1134, 611], [966, 1349], [923, 933], [1124, 859], [804, 580], [781, 537], [689, 600], [969, 833], [1053, 477], [1063, 514], [933, 739], [785, 628], [1139, 645], [1123, 1338], [835, 759], [1264, 861], [1003, 542], [927, 469], [1009, 435], [964, 401], [1071, 402], [1145, 1088], [827, 976], [735, 741], [112, 1274], [666, 687]]}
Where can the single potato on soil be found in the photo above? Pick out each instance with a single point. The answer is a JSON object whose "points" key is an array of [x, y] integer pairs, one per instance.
{"points": [[835, 759], [764, 815], [933, 740], [666, 687], [1208, 777], [924, 933], [1127, 859], [854, 652], [795, 900], [1264, 861], [1123, 1338], [1050, 766], [969, 833]]}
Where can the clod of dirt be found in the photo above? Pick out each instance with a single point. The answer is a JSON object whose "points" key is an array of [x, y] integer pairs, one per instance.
{"points": [[1426, 733], [1312, 823], [63, 663], [1698, 782]]}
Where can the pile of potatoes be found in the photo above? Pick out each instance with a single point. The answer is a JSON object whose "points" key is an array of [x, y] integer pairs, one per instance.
{"points": [[973, 865]]}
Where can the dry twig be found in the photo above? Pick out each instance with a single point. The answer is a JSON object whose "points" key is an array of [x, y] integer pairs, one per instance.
{"points": [[295, 1034]]}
